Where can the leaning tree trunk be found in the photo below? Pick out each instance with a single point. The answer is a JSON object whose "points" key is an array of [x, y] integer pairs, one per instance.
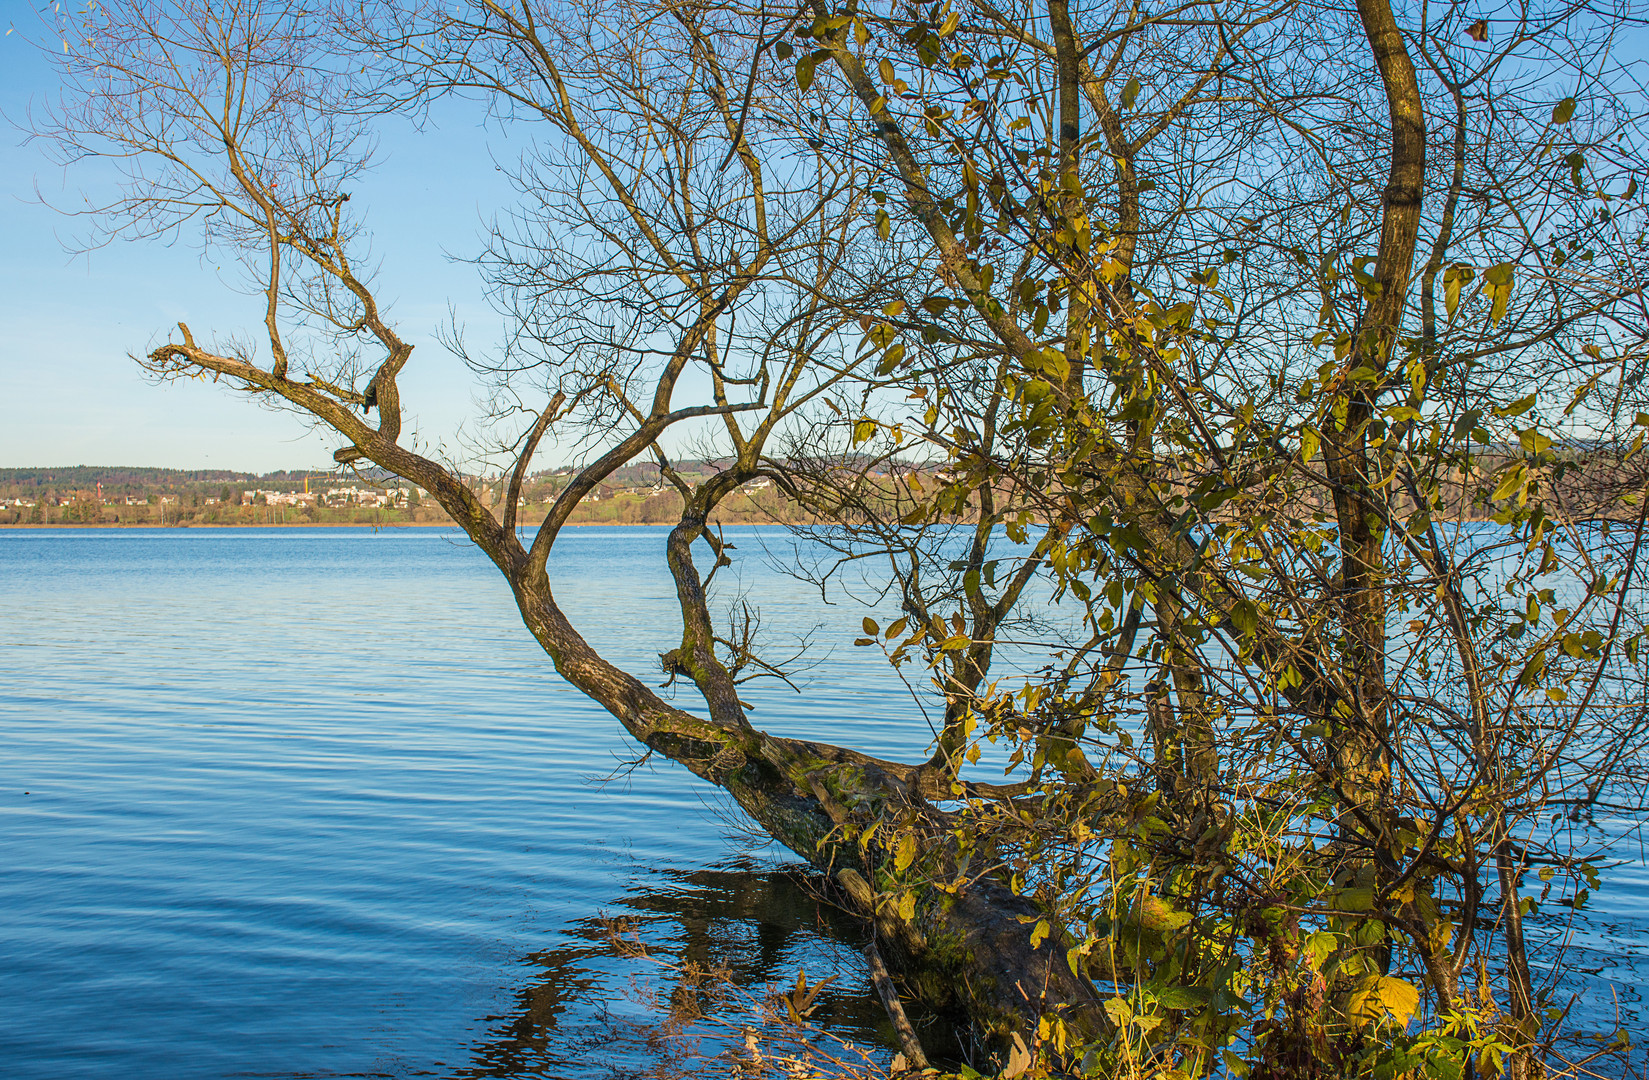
{"points": [[965, 949]]}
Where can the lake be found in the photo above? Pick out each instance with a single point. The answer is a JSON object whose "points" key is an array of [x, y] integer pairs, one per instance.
{"points": [[312, 803]]}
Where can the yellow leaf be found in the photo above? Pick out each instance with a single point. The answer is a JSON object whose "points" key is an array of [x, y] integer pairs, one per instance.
{"points": [[1533, 441], [1510, 484], [1155, 913], [1318, 948], [904, 852], [1497, 286], [1455, 278], [1377, 995]]}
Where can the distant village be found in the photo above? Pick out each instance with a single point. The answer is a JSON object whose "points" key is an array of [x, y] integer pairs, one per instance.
{"points": [[344, 496], [397, 497]]}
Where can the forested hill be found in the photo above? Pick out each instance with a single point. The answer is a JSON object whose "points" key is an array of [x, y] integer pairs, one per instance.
{"points": [[134, 479], [130, 476]]}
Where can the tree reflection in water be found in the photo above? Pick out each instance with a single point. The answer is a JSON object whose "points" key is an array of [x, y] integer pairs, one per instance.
{"points": [[759, 923]]}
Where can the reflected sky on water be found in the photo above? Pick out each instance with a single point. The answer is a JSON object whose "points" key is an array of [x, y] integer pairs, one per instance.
{"points": [[312, 803]]}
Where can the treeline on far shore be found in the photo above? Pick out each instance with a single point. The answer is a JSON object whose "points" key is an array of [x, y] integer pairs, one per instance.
{"points": [[1591, 486], [126, 496]]}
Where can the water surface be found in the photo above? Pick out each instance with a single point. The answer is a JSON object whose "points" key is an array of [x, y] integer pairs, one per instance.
{"points": [[311, 803]]}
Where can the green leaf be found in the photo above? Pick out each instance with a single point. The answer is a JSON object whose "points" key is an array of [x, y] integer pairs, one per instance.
{"points": [[804, 72], [1184, 997], [1536, 666], [870, 626], [1129, 93], [1516, 408], [1577, 171], [1467, 421], [890, 359], [1563, 111]]}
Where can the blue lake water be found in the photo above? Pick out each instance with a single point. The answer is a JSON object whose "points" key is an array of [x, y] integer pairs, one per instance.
{"points": [[309, 803], [313, 803]]}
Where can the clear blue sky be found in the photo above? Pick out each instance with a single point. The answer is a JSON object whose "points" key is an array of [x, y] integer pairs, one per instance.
{"points": [[70, 395]]}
